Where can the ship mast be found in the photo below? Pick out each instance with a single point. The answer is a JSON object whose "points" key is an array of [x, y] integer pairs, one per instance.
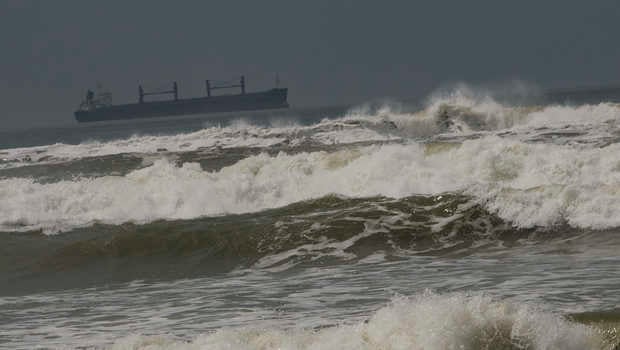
{"points": [[241, 85], [174, 92]]}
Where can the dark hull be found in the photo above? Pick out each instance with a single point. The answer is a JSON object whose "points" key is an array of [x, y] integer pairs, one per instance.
{"points": [[271, 99]]}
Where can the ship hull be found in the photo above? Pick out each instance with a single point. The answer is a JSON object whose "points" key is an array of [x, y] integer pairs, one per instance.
{"points": [[271, 99]]}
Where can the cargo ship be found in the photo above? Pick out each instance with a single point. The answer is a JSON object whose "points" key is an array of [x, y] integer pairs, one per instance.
{"points": [[100, 108]]}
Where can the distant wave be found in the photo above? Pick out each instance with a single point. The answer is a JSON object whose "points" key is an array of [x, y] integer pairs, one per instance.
{"points": [[460, 111], [240, 134]]}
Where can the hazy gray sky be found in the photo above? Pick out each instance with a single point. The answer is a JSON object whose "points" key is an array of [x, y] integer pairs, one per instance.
{"points": [[325, 51]]}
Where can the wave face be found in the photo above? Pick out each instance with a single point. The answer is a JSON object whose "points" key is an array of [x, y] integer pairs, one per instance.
{"points": [[330, 230], [464, 223]]}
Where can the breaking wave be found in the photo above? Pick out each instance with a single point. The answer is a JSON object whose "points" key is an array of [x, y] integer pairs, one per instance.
{"points": [[526, 184], [239, 134], [295, 236], [464, 111], [458, 112], [427, 321]]}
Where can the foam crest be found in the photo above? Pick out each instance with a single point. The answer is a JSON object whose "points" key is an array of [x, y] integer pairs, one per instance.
{"points": [[239, 134], [465, 110], [394, 119], [526, 184], [427, 321], [459, 111]]}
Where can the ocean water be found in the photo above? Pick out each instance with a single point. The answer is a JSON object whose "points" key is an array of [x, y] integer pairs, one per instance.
{"points": [[458, 223]]}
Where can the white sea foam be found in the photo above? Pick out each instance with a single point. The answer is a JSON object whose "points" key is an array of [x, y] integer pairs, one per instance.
{"points": [[465, 111], [460, 111], [238, 134], [427, 321], [234, 136], [526, 184], [473, 112]]}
